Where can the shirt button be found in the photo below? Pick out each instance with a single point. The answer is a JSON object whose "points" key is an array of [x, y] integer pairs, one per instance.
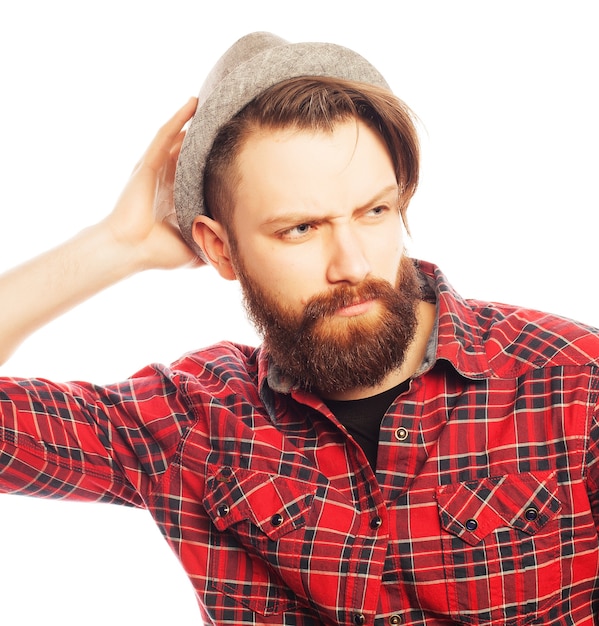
{"points": [[359, 619], [223, 510], [376, 522], [401, 434], [531, 514], [471, 524], [276, 519], [395, 619]]}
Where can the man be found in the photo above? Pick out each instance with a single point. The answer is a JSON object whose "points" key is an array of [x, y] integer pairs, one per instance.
{"points": [[392, 454]]}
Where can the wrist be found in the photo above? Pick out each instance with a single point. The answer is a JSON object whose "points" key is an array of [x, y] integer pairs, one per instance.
{"points": [[116, 254]]}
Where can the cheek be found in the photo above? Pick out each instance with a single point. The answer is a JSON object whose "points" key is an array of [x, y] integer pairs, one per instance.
{"points": [[284, 279], [387, 253], [291, 269]]}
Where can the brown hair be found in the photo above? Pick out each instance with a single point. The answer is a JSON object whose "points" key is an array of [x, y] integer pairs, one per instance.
{"points": [[318, 104]]}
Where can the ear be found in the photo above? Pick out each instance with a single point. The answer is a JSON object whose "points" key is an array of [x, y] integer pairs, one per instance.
{"points": [[212, 238]]}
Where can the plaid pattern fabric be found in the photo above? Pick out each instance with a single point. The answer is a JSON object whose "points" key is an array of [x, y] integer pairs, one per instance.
{"points": [[483, 510]]}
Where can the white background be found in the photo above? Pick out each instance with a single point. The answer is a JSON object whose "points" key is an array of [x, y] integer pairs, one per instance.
{"points": [[508, 207]]}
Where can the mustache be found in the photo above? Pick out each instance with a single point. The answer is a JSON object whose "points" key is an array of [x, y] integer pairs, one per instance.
{"points": [[326, 304]]}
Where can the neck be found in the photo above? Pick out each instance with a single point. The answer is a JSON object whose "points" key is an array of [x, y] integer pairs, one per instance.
{"points": [[415, 353]]}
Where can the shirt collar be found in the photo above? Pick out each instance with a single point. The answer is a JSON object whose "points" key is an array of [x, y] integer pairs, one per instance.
{"points": [[457, 335]]}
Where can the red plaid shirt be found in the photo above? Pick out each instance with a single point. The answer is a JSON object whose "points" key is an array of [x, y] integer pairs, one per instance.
{"points": [[483, 509]]}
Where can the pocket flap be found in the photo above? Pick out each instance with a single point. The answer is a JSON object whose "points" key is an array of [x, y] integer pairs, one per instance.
{"points": [[276, 504], [473, 509]]}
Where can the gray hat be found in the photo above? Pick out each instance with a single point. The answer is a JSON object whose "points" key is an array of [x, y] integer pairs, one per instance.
{"points": [[249, 67]]}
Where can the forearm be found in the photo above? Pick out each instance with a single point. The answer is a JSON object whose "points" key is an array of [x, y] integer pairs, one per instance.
{"points": [[43, 288]]}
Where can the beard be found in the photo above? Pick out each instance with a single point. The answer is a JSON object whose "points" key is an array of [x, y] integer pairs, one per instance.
{"points": [[329, 353]]}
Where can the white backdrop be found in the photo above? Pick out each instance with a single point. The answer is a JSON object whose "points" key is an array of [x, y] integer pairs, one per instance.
{"points": [[508, 206]]}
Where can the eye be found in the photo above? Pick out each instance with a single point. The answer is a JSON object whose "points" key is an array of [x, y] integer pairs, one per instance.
{"points": [[377, 211], [297, 232]]}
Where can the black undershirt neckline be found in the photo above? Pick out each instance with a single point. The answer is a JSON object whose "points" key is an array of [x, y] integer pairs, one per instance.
{"points": [[362, 417]]}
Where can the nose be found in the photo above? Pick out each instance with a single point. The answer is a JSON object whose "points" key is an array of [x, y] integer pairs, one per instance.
{"points": [[347, 260]]}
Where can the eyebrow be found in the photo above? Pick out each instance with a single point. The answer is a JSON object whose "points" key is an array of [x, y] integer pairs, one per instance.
{"points": [[298, 217], [381, 195]]}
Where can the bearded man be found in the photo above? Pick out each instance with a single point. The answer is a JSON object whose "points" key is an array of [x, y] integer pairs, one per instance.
{"points": [[392, 453]]}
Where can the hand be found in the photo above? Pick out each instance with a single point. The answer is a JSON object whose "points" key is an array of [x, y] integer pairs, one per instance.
{"points": [[144, 216]]}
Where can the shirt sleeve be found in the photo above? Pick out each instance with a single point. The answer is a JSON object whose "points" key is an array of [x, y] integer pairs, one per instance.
{"points": [[87, 442]]}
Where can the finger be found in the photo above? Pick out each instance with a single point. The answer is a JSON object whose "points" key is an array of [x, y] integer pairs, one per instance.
{"points": [[169, 134], [173, 154], [176, 146], [180, 118], [166, 174]]}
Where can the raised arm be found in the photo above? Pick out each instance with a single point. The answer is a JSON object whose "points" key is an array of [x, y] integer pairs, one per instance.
{"points": [[139, 234]]}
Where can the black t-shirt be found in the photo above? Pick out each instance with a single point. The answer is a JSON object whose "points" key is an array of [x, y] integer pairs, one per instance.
{"points": [[362, 418]]}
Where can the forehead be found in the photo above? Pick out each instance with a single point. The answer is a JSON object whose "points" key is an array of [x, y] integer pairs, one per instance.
{"points": [[297, 167]]}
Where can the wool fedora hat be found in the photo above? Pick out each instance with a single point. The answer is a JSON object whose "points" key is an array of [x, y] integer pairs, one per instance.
{"points": [[249, 67]]}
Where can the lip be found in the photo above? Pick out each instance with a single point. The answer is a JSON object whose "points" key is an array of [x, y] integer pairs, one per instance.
{"points": [[359, 308]]}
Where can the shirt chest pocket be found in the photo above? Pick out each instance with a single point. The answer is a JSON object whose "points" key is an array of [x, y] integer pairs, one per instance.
{"points": [[260, 520], [501, 547], [275, 505]]}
